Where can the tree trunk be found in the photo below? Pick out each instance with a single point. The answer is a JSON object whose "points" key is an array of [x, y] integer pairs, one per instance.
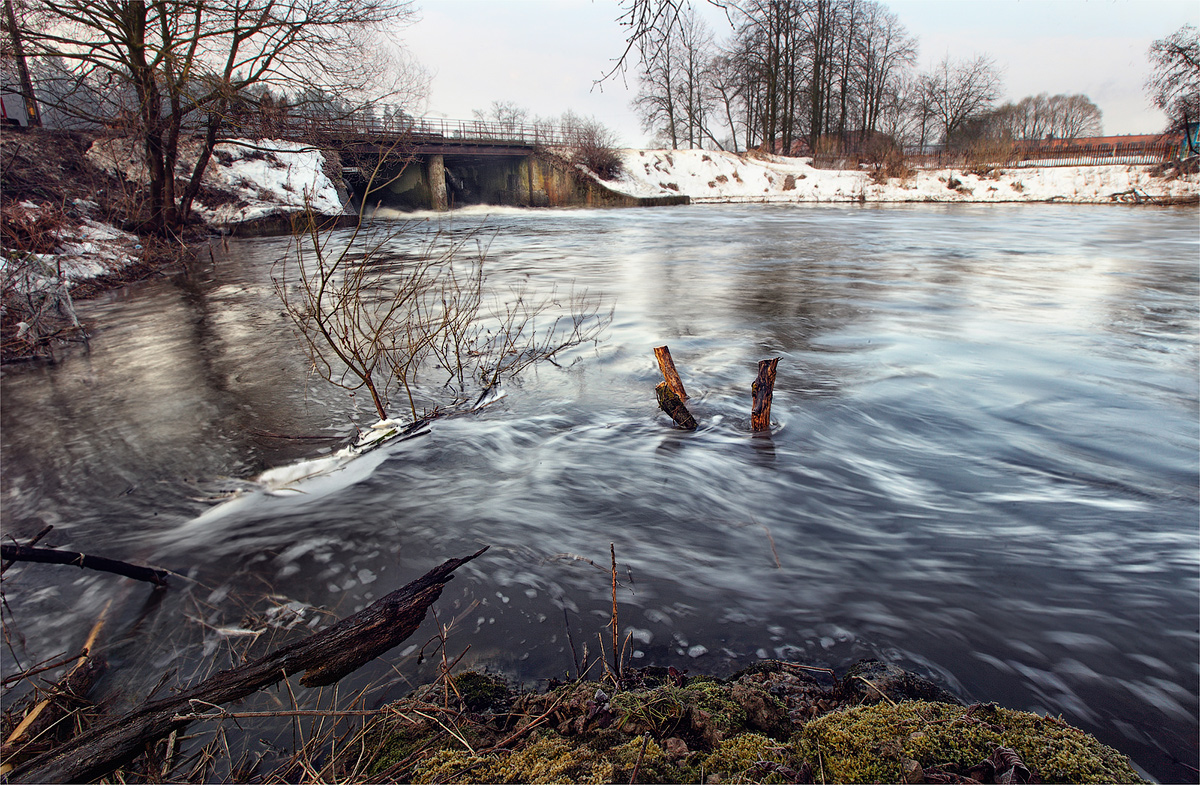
{"points": [[761, 390], [32, 114], [325, 657]]}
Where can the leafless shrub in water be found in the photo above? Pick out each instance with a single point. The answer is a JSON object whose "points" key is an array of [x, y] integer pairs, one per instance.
{"points": [[373, 317]]}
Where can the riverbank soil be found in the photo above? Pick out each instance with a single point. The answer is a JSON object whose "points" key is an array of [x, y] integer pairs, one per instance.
{"points": [[775, 722]]}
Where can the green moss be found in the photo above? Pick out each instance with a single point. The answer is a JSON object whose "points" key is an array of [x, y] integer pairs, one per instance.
{"points": [[734, 759], [714, 698], [869, 743], [481, 692], [547, 759]]}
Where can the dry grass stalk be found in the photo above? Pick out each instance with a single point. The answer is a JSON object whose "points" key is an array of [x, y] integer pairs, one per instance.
{"points": [[612, 549]]}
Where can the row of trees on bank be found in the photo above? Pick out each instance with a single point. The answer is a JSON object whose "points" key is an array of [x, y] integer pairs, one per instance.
{"points": [[840, 75]]}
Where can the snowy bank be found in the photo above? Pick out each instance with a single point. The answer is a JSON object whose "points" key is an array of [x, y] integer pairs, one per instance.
{"points": [[712, 176], [245, 180], [83, 247]]}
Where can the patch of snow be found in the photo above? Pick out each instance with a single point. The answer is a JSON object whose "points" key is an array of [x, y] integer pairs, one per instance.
{"points": [[271, 176], [715, 176], [266, 176], [84, 249]]}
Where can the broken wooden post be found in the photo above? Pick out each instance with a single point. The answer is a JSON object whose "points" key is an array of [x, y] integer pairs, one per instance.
{"points": [[669, 402], [764, 385], [671, 394], [667, 366]]}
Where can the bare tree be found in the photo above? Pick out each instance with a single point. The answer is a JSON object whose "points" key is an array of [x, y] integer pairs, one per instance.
{"points": [[177, 65], [507, 114], [1175, 82], [1041, 116], [884, 54], [959, 90], [695, 98], [658, 75]]}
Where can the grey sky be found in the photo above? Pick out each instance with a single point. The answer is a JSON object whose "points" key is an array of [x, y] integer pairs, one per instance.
{"points": [[546, 54]]}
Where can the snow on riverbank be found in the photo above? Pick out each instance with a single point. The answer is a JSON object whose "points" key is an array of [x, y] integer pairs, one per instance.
{"points": [[244, 181], [712, 176], [83, 248]]}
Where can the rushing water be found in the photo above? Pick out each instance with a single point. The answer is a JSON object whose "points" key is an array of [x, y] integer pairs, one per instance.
{"points": [[984, 464]]}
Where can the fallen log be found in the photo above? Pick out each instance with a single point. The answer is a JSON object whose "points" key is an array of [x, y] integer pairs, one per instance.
{"points": [[669, 402], [761, 391], [54, 556], [324, 657], [667, 366]]}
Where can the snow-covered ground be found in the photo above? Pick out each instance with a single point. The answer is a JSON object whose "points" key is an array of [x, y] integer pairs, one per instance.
{"points": [[712, 176], [265, 177], [84, 248]]}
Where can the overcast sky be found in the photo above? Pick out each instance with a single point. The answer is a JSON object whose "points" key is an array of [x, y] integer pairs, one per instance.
{"points": [[547, 54]]}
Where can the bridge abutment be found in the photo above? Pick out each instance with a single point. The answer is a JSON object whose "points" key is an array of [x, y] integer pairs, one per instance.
{"points": [[435, 176]]}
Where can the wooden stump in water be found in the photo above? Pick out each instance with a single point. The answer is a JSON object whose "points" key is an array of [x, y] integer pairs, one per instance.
{"points": [[669, 402], [667, 366], [761, 389]]}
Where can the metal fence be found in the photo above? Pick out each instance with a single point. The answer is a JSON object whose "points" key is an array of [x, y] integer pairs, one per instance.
{"points": [[1056, 153], [307, 126]]}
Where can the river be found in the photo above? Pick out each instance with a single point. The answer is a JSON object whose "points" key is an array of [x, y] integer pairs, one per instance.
{"points": [[983, 466]]}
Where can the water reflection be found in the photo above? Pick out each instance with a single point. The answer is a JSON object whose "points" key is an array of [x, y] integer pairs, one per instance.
{"points": [[984, 461]]}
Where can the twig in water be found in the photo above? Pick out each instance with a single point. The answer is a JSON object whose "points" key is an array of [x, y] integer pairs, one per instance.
{"points": [[57, 663], [770, 539]]}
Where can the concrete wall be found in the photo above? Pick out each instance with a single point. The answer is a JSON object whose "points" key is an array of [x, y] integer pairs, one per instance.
{"points": [[534, 180]]}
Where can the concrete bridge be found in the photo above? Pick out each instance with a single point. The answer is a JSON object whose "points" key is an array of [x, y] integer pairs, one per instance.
{"points": [[429, 163]]}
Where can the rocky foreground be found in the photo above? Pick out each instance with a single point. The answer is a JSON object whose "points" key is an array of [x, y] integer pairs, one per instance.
{"points": [[776, 722]]}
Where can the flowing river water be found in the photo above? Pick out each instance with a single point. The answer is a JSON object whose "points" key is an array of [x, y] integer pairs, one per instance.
{"points": [[983, 465]]}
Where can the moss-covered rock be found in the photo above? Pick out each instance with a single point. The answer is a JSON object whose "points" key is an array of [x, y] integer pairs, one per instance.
{"points": [[871, 743]]}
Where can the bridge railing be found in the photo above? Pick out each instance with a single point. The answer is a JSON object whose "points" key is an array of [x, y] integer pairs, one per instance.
{"points": [[306, 126]]}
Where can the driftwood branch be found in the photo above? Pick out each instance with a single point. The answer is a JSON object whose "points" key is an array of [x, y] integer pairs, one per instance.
{"points": [[324, 657], [667, 366], [53, 556], [761, 390], [669, 402]]}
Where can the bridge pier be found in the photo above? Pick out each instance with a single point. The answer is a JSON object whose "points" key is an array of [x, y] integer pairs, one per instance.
{"points": [[435, 175]]}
